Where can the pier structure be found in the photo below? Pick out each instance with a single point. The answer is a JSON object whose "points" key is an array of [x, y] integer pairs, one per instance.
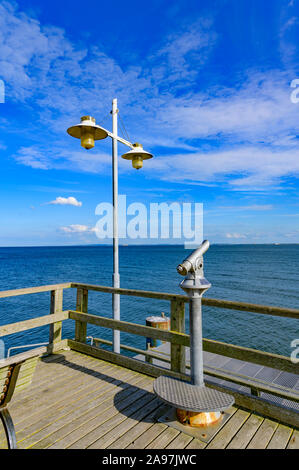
{"points": [[87, 396]]}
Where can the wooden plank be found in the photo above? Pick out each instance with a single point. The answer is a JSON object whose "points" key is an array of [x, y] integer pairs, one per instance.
{"points": [[147, 437], [146, 353], [48, 391], [73, 390], [147, 331], [229, 430], [196, 444], [81, 306], [251, 355], [180, 442], [126, 424], [280, 438], [178, 356], [31, 353], [47, 368], [62, 369], [94, 430], [252, 308], [33, 323], [25, 379], [56, 306], [124, 361], [64, 373], [136, 431], [246, 433], [47, 435], [91, 417], [9, 390], [24, 373], [218, 303], [259, 405], [294, 441], [44, 377], [131, 292], [262, 438], [47, 395], [163, 439], [76, 395], [33, 290]]}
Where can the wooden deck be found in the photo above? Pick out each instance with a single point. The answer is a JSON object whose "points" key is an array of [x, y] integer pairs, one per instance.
{"points": [[78, 402]]}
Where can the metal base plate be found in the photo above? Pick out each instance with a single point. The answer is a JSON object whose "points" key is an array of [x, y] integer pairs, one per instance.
{"points": [[186, 396], [204, 434]]}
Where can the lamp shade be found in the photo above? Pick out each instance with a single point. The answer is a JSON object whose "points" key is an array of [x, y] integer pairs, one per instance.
{"points": [[88, 131], [137, 155]]}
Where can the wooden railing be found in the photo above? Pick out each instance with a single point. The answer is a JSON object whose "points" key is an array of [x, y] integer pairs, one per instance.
{"points": [[175, 362]]}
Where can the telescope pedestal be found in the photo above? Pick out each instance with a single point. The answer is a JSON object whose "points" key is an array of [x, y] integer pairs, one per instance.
{"points": [[204, 434], [194, 397]]}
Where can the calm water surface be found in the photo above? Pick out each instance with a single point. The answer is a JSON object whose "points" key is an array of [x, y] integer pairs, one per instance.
{"points": [[265, 274]]}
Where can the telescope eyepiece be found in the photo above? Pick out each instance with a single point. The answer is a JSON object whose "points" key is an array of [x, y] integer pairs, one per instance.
{"points": [[181, 270]]}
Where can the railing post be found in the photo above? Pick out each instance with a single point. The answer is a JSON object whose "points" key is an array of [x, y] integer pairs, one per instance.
{"points": [[81, 306], [177, 323], [255, 392], [56, 307]]}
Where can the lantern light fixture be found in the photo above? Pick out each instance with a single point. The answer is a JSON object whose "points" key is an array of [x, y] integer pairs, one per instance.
{"points": [[137, 155]]}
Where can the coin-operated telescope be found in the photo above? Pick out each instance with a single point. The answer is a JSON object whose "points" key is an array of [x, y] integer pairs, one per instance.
{"points": [[195, 403]]}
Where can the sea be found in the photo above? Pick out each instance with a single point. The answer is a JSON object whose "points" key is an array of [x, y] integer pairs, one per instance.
{"points": [[262, 274]]}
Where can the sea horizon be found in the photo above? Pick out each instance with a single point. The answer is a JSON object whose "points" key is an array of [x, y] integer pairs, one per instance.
{"points": [[144, 244]]}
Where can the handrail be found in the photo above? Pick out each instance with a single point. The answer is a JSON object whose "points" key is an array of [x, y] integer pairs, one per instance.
{"points": [[25, 346], [33, 290], [33, 323], [134, 328], [218, 303], [225, 349], [130, 292]]}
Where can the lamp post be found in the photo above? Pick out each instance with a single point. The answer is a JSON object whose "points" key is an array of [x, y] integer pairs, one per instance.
{"points": [[88, 131]]}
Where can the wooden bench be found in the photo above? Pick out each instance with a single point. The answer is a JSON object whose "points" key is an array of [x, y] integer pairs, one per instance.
{"points": [[16, 373]]}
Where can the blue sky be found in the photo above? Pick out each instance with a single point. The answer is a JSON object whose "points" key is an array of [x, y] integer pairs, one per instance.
{"points": [[204, 86]]}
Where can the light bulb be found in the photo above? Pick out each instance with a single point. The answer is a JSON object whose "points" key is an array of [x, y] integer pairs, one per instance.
{"points": [[137, 163], [87, 138]]}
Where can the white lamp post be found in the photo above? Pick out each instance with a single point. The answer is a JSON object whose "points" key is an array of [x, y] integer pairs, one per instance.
{"points": [[88, 131]]}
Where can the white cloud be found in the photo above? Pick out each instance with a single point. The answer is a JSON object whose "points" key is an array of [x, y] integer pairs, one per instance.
{"points": [[258, 110], [182, 56], [253, 124], [242, 169], [77, 229], [42, 62], [34, 157], [235, 235], [71, 201], [55, 157], [252, 207]]}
